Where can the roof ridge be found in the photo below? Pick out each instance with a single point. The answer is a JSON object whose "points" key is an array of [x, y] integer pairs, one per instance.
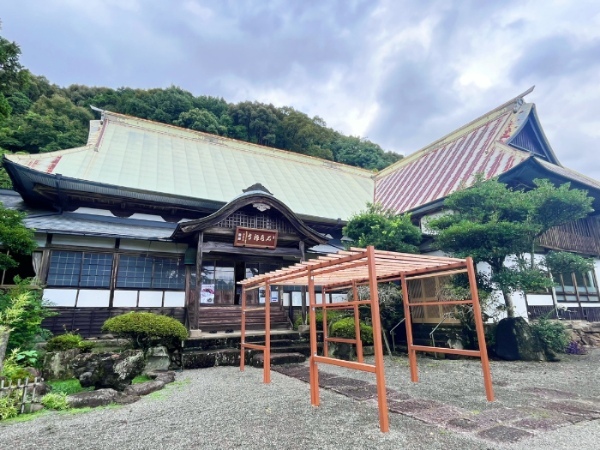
{"points": [[459, 132], [286, 154]]}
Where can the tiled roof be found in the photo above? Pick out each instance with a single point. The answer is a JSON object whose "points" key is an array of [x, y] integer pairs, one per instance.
{"points": [[69, 223], [146, 156], [453, 162]]}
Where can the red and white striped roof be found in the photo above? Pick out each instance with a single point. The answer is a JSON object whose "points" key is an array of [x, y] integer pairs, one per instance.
{"points": [[453, 162]]}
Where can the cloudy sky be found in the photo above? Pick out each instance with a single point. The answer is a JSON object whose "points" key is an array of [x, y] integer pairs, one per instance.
{"points": [[400, 73]]}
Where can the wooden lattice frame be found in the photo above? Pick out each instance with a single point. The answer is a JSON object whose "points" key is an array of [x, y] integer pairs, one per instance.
{"points": [[349, 269]]}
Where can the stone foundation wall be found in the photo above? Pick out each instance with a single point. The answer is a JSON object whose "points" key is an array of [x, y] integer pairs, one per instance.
{"points": [[584, 333]]}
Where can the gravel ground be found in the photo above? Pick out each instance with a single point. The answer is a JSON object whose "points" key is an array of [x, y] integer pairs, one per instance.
{"points": [[223, 408]]}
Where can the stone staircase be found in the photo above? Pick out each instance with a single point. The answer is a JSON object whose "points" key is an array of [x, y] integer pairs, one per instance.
{"points": [[223, 349]]}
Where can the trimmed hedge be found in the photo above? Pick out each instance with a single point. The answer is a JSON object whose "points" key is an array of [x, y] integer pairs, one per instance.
{"points": [[332, 316], [344, 328], [146, 330], [68, 341]]}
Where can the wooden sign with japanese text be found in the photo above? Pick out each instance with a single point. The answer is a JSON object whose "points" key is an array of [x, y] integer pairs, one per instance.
{"points": [[252, 237]]}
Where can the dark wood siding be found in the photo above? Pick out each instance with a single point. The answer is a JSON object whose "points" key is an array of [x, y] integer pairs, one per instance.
{"points": [[88, 321]]}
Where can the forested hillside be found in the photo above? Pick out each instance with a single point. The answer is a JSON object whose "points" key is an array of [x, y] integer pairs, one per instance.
{"points": [[38, 116]]}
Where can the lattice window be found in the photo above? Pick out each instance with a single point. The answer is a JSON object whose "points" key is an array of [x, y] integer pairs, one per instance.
{"points": [[146, 272], [264, 221], [79, 269]]}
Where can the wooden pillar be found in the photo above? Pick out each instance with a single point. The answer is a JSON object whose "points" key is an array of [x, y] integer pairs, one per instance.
{"points": [[314, 372], [196, 323], [303, 288], [485, 363], [412, 354], [384, 424]]}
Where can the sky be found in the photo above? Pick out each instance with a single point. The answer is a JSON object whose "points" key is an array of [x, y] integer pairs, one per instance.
{"points": [[399, 73]]}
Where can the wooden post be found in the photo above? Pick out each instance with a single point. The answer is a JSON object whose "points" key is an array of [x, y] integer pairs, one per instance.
{"points": [[325, 326], [359, 347], [267, 352], [412, 354], [302, 288], [314, 371], [198, 281], [485, 363], [384, 424], [243, 331]]}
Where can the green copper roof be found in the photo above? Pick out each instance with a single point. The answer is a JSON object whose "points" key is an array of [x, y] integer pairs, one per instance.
{"points": [[152, 157]]}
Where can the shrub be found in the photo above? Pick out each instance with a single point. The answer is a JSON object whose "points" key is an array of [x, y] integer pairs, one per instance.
{"points": [[8, 407], [68, 341], [552, 334], [344, 328], [12, 370], [332, 316], [28, 358], [27, 330], [55, 400], [146, 330]]}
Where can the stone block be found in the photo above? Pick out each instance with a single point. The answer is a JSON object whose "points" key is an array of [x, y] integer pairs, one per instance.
{"points": [[59, 365], [157, 358], [108, 370], [144, 388], [100, 397]]}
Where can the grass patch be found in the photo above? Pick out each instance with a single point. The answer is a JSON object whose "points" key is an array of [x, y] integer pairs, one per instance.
{"points": [[141, 379], [68, 387]]}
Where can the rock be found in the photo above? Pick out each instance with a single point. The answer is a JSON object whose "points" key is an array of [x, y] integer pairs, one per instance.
{"points": [[59, 365], [41, 389], [144, 388], [515, 341], [125, 399], [342, 350], [33, 372], [100, 397], [31, 408], [108, 370], [157, 358], [166, 376]]}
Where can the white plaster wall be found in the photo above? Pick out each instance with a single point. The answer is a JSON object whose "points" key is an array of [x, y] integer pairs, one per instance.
{"points": [[150, 299], [60, 297], [125, 299], [174, 299], [152, 246], [540, 300], [93, 297], [40, 239], [83, 241]]}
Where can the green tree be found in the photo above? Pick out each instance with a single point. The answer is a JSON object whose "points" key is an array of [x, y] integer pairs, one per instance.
{"points": [[201, 120], [493, 223], [384, 230]]}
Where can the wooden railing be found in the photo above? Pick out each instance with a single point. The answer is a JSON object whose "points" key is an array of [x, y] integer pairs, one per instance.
{"points": [[24, 391], [580, 236]]}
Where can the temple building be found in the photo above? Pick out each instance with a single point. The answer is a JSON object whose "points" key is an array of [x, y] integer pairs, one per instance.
{"points": [[148, 216]]}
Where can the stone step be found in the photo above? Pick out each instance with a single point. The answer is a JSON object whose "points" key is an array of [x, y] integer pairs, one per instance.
{"points": [[278, 359], [201, 359], [233, 340]]}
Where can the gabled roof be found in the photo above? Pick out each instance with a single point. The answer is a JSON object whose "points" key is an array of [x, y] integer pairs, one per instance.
{"points": [[261, 197], [142, 158], [490, 145]]}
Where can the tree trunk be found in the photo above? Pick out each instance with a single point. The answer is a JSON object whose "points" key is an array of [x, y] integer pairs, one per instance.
{"points": [[510, 307], [4, 334]]}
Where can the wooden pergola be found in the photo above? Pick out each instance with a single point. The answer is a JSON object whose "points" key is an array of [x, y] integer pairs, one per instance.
{"points": [[346, 270]]}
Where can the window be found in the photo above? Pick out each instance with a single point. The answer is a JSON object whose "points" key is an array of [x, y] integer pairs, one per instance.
{"points": [[573, 287], [79, 269], [146, 272]]}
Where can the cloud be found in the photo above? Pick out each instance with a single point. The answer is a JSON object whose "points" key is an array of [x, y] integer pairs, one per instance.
{"points": [[402, 74]]}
